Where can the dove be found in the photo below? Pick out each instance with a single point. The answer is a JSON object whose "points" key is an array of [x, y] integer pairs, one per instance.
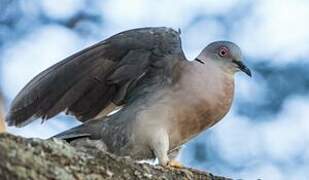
{"points": [[162, 99]]}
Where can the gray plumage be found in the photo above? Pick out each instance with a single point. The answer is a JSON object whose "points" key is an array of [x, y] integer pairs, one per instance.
{"points": [[166, 100]]}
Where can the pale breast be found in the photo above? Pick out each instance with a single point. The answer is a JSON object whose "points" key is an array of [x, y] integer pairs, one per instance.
{"points": [[199, 106]]}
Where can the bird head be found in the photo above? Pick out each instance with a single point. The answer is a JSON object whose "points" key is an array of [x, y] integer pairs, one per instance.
{"points": [[226, 54]]}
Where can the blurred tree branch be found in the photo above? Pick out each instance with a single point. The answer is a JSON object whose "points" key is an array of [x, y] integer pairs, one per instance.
{"points": [[2, 124], [22, 158]]}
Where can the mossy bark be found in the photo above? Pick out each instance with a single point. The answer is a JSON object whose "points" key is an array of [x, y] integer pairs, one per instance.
{"points": [[22, 158]]}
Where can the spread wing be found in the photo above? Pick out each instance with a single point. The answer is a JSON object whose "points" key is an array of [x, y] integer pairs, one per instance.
{"points": [[89, 81]]}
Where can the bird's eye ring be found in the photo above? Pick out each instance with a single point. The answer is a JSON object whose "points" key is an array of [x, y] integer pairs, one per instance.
{"points": [[223, 51]]}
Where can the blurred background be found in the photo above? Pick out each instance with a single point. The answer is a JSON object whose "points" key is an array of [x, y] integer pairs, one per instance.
{"points": [[266, 133]]}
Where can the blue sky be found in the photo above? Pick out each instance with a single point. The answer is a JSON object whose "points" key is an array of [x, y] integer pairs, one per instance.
{"points": [[273, 35]]}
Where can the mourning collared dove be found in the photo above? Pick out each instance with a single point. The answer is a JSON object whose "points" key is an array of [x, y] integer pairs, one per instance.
{"points": [[165, 99]]}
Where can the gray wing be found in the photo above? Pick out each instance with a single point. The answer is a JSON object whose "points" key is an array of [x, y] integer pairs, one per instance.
{"points": [[88, 81]]}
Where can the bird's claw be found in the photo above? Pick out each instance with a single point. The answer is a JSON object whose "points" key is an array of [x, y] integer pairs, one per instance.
{"points": [[174, 164]]}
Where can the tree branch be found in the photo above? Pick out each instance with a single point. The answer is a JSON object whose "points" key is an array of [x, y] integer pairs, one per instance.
{"points": [[22, 158], [2, 124]]}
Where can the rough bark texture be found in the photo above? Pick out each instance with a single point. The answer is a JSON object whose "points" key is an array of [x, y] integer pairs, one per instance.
{"points": [[22, 158]]}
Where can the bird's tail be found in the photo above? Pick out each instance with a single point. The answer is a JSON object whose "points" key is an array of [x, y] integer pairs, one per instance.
{"points": [[90, 129]]}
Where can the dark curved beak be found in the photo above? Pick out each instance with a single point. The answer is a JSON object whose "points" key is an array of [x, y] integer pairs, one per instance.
{"points": [[243, 67]]}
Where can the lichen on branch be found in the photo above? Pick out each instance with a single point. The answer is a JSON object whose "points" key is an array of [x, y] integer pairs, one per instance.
{"points": [[22, 158]]}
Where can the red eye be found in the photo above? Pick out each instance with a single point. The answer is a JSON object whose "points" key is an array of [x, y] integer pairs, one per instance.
{"points": [[223, 51]]}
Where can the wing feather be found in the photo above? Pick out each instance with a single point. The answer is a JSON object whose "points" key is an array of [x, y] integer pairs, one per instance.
{"points": [[90, 80]]}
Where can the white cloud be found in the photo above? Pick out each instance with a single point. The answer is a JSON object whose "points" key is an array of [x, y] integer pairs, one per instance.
{"points": [[275, 30], [246, 87], [63, 9], [287, 136], [197, 36], [237, 140], [122, 14], [277, 141], [213, 7]]}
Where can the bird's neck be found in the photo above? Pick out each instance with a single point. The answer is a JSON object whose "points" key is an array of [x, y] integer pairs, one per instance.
{"points": [[209, 77]]}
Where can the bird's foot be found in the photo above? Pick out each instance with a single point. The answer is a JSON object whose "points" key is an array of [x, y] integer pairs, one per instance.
{"points": [[174, 164]]}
